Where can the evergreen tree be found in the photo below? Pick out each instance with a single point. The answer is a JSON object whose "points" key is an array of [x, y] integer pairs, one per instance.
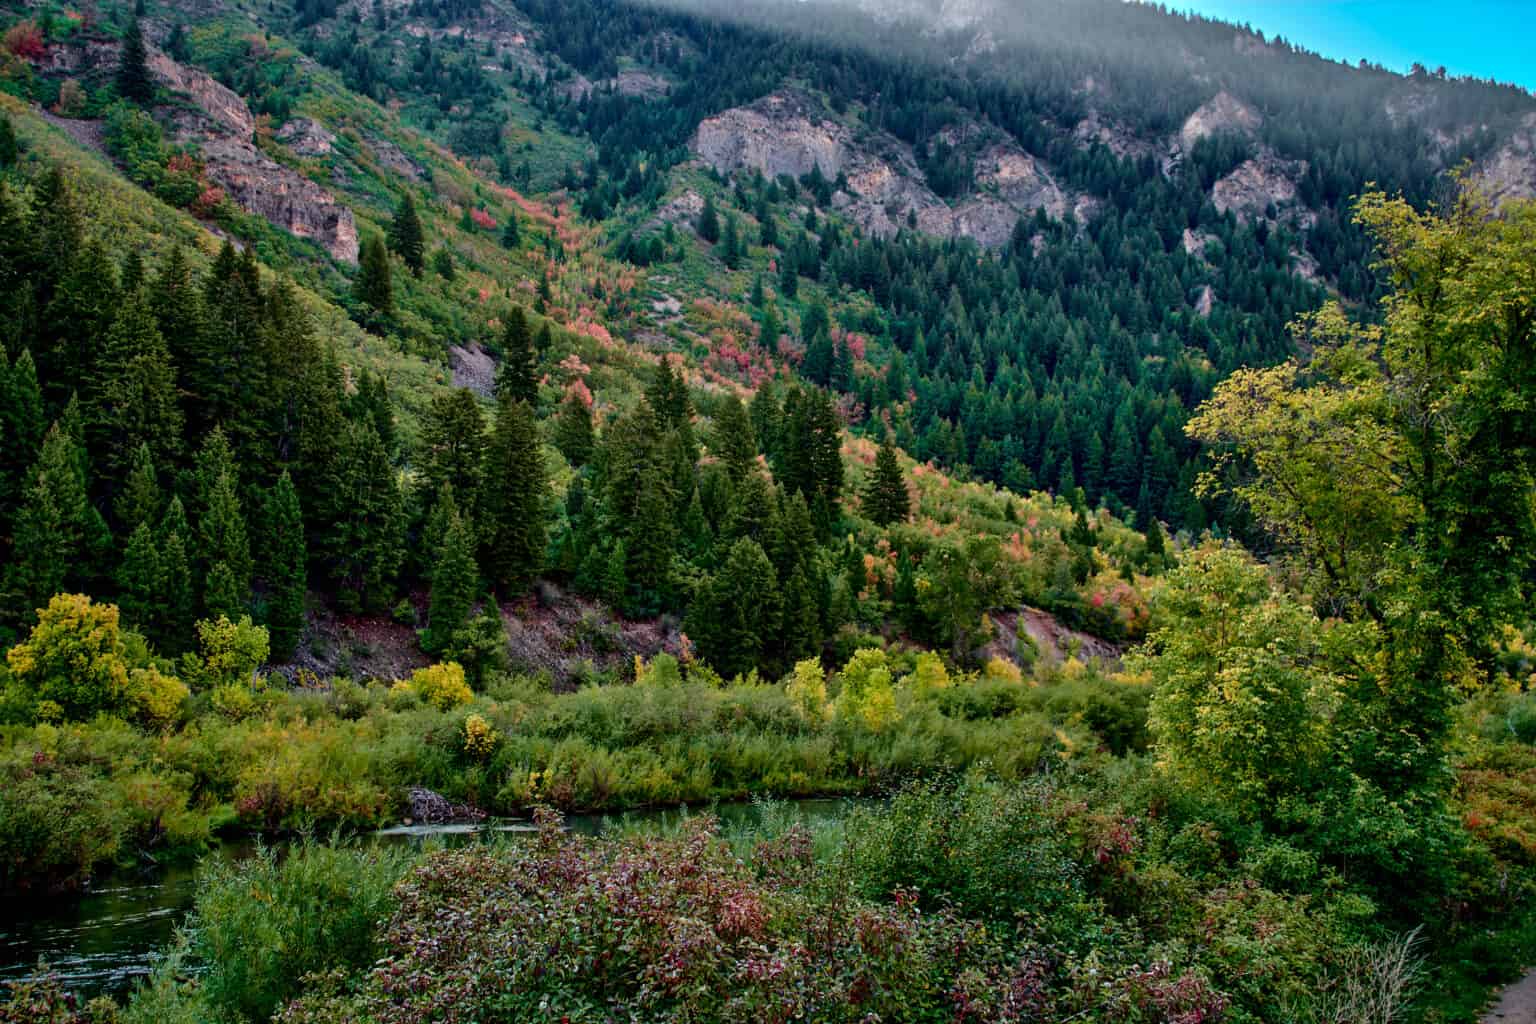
{"points": [[406, 238], [9, 149], [709, 222], [730, 244], [789, 277], [369, 546], [177, 606], [136, 400], [141, 581], [134, 82], [21, 431], [139, 502], [513, 499], [1157, 551], [454, 576], [732, 442], [512, 233], [375, 287], [517, 378], [885, 495], [59, 537], [224, 549], [453, 442], [284, 568], [573, 430], [736, 613]]}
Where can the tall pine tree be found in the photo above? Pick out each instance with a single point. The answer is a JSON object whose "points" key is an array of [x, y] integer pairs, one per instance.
{"points": [[885, 499], [284, 568], [454, 575], [513, 499], [517, 378], [134, 83], [406, 237]]}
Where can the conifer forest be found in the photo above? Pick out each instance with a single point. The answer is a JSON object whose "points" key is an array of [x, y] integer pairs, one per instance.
{"points": [[953, 511]]}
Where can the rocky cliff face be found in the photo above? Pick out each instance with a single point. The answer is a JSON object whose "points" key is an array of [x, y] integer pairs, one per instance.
{"points": [[221, 127], [1221, 113], [1510, 172], [223, 106], [791, 133], [1256, 186], [281, 196]]}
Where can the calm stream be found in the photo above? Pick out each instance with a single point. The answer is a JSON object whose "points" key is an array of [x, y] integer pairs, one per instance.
{"points": [[105, 939]]}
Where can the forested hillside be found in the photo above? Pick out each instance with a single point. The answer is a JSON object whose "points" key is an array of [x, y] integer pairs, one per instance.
{"points": [[1094, 436]]}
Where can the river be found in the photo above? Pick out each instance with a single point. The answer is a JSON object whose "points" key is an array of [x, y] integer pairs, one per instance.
{"points": [[108, 937]]}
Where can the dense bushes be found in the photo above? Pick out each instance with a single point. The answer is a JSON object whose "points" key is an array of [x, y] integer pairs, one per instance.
{"points": [[90, 792]]}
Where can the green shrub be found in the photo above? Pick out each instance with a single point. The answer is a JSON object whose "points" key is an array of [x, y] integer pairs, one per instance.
{"points": [[263, 923]]}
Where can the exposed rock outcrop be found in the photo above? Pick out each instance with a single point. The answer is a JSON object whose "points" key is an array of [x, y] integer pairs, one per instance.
{"points": [[1221, 113], [933, 15], [1118, 139], [222, 105], [783, 133], [1020, 180], [1510, 172], [790, 133], [306, 137], [634, 82], [281, 196], [222, 129], [473, 368], [395, 158], [1255, 186]]}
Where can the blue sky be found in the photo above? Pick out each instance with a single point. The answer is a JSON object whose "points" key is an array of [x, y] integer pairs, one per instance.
{"points": [[1486, 38]]}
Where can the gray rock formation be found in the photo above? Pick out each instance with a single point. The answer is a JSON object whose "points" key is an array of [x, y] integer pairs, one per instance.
{"points": [[281, 196], [306, 137], [1510, 172], [1256, 185], [1221, 113], [791, 133], [223, 106]]}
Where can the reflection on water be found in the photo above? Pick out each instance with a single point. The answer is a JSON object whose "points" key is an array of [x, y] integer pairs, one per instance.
{"points": [[107, 938], [101, 940]]}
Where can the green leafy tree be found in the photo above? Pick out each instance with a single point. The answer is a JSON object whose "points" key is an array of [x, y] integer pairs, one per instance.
{"points": [[406, 238], [1396, 467], [73, 660], [885, 495], [514, 499], [867, 696], [1244, 694]]}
